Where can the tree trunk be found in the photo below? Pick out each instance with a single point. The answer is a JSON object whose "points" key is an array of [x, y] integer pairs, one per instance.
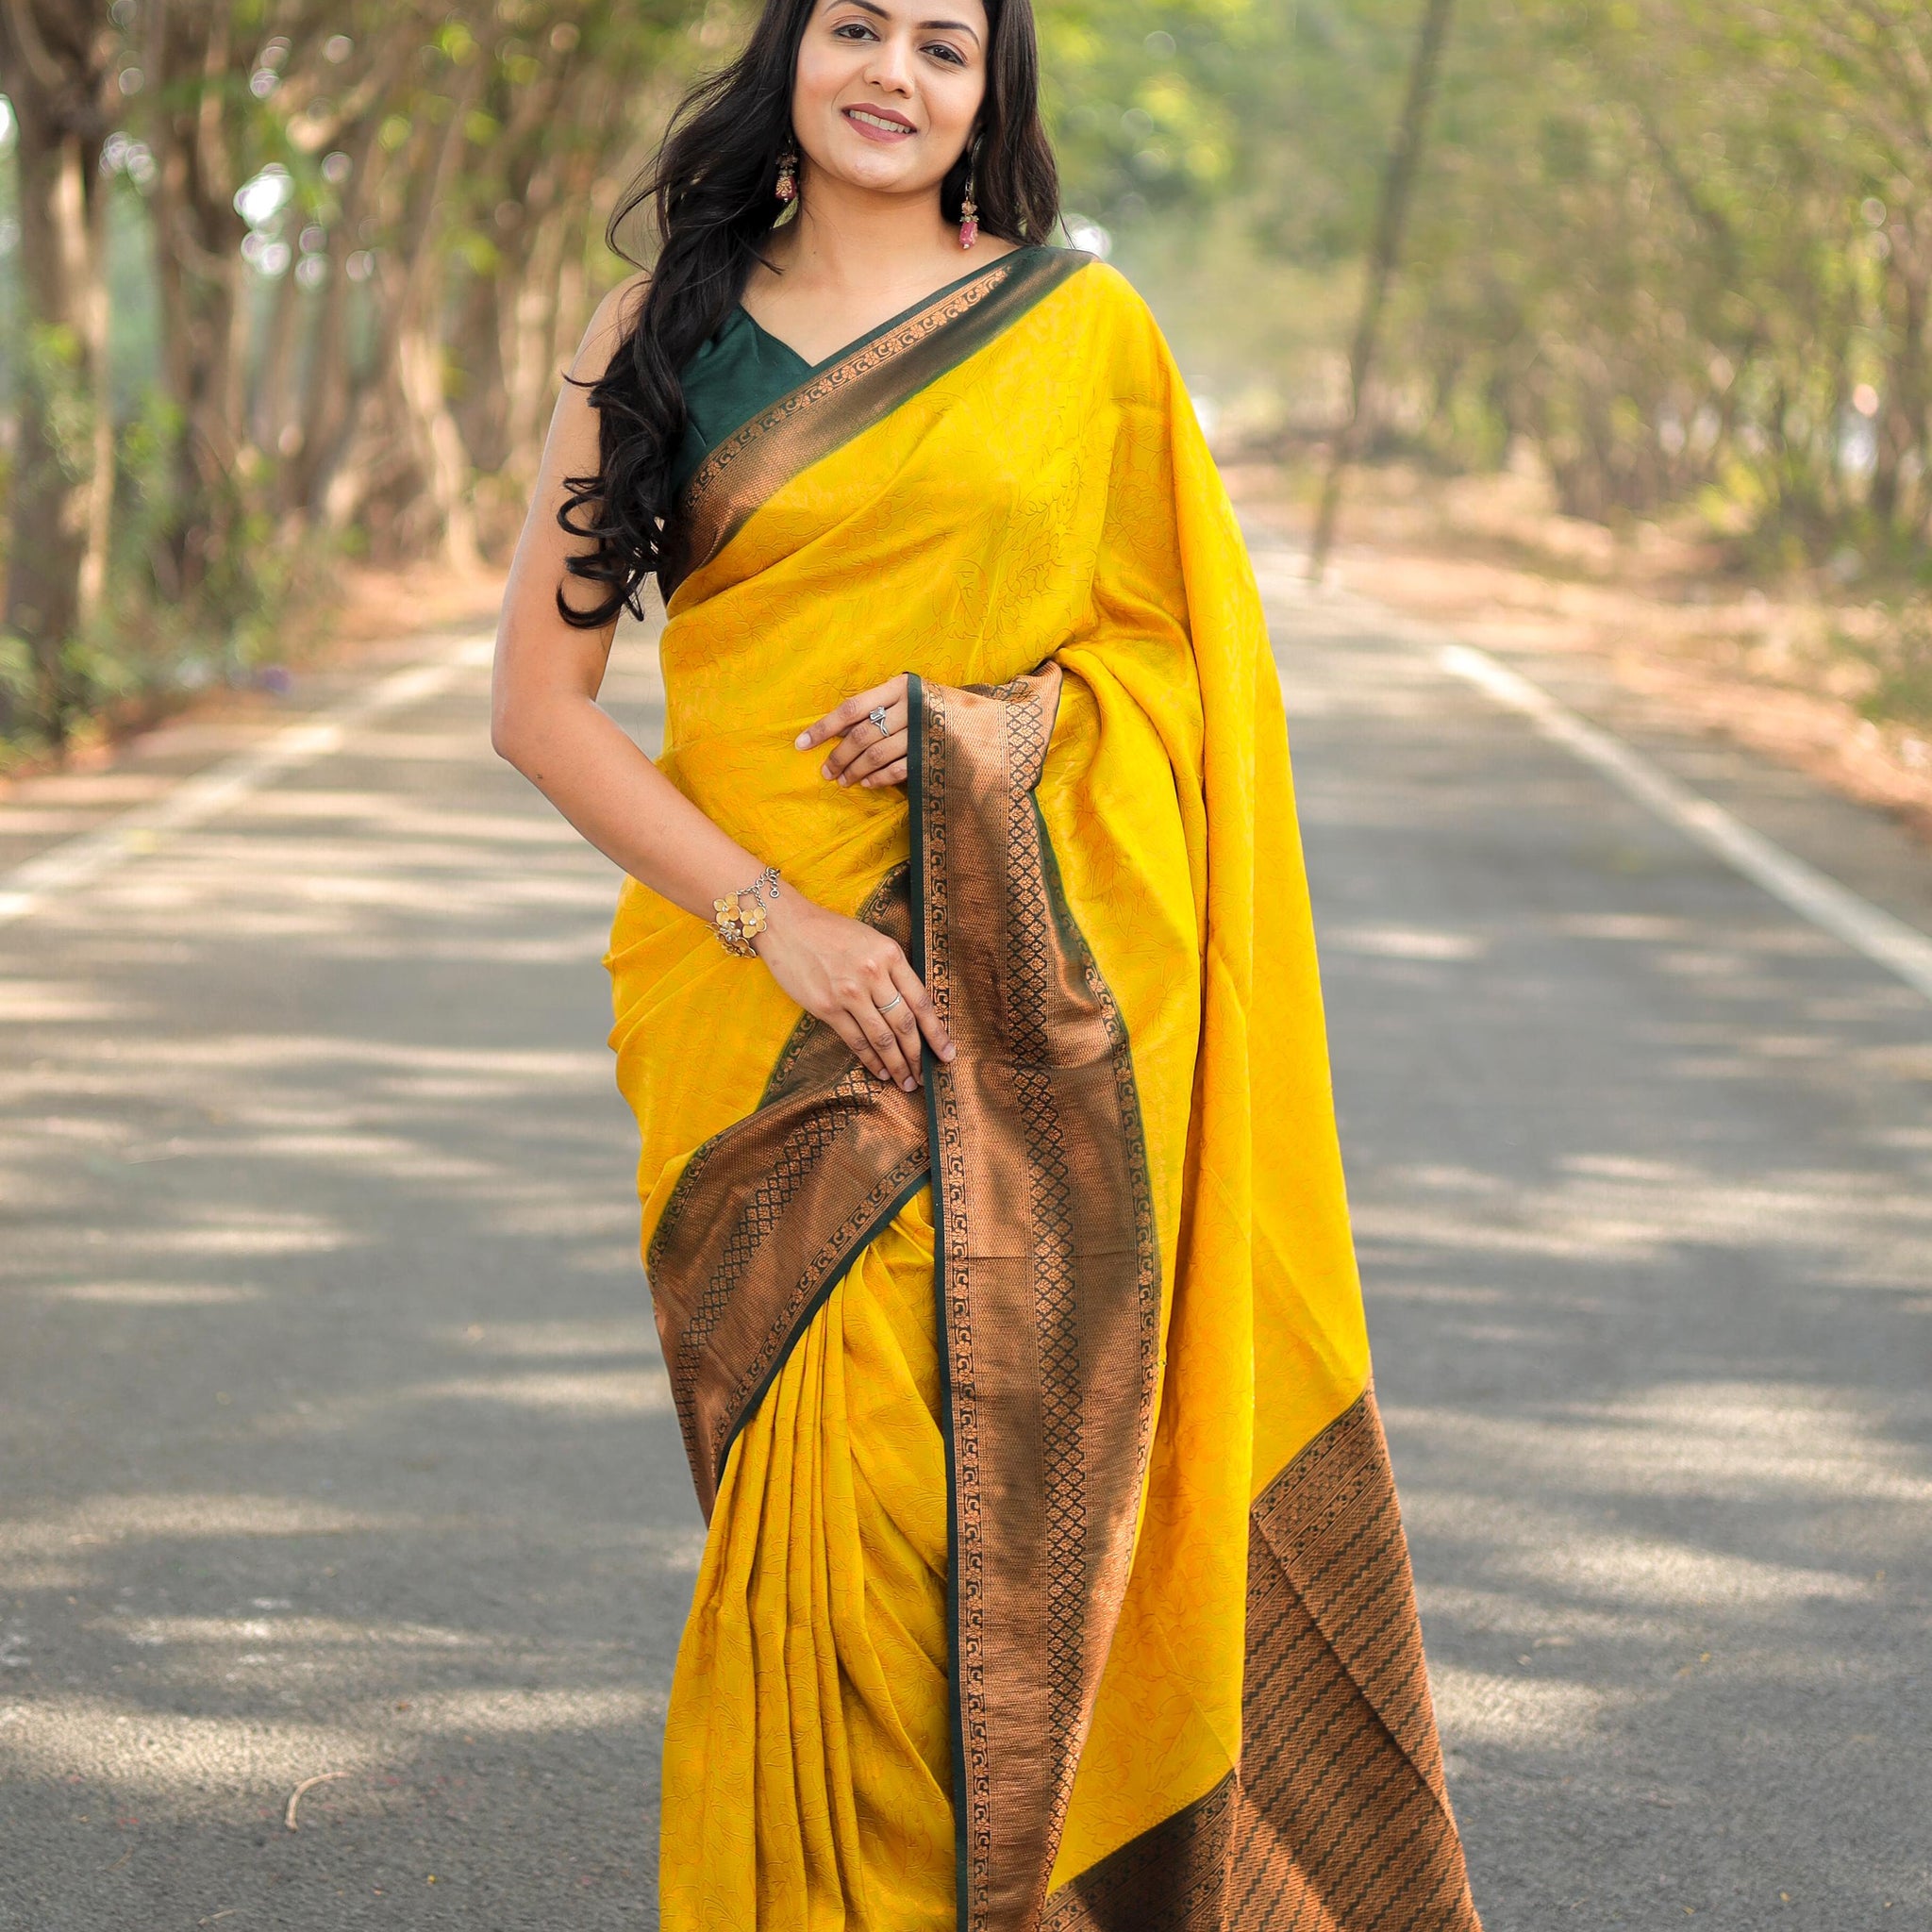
{"points": [[100, 521], [438, 444], [1900, 430], [1398, 181], [333, 389], [419, 347], [407, 404], [54, 63], [199, 271], [274, 414], [530, 331]]}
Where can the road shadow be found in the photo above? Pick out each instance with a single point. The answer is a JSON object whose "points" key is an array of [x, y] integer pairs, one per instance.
{"points": [[1639, 1169], [341, 1461]]}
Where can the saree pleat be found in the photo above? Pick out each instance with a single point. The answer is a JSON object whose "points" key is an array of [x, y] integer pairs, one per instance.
{"points": [[1055, 1579], [806, 1751]]}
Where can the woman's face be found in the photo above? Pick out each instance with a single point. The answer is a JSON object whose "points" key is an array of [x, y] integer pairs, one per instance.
{"points": [[886, 92]]}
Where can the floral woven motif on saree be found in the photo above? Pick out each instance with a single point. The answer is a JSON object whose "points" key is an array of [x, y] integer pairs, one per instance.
{"points": [[1053, 1575]]}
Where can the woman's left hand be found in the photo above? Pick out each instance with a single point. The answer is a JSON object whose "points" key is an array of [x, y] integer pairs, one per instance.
{"points": [[866, 754]]}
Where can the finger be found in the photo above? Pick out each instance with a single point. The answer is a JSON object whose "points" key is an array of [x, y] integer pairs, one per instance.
{"points": [[926, 1013], [885, 1042], [858, 1044], [837, 722], [902, 1055], [864, 737], [880, 751], [893, 774], [905, 1024]]}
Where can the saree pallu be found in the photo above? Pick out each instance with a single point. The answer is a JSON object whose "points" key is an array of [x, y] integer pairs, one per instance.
{"points": [[1053, 1576]]}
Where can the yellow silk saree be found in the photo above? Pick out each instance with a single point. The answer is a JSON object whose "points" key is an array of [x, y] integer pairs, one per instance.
{"points": [[1053, 1576]]}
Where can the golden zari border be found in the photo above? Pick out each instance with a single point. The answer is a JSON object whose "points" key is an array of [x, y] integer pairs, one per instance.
{"points": [[862, 387], [1047, 1270], [768, 1215], [1337, 1817]]}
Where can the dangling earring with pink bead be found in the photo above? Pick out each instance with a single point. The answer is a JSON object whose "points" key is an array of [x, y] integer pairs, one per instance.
{"points": [[969, 209], [787, 189]]}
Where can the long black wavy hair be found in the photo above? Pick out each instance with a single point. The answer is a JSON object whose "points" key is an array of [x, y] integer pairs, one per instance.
{"points": [[712, 188]]}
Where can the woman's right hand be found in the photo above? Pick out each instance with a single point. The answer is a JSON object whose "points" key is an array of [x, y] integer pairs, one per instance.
{"points": [[844, 972]]}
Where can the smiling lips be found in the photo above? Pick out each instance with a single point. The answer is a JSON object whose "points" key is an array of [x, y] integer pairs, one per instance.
{"points": [[879, 123]]}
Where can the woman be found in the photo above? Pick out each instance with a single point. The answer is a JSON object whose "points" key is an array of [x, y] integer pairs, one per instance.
{"points": [[966, 996]]}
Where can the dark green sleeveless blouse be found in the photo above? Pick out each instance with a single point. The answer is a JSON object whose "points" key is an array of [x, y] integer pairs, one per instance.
{"points": [[732, 377], [743, 368]]}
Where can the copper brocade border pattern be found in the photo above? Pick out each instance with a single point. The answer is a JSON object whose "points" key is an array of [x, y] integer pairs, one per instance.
{"points": [[768, 1215], [862, 388], [1338, 1818], [1047, 1277]]}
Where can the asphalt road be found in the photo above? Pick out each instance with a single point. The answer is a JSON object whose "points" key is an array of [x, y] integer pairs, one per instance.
{"points": [[334, 1441]]}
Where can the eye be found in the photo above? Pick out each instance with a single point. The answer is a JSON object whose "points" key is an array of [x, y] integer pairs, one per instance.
{"points": [[945, 50], [854, 30]]}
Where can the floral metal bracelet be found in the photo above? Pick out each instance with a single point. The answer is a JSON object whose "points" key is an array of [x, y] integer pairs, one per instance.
{"points": [[737, 924]]}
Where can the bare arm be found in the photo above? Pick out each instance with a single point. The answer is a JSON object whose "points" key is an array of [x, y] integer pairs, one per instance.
{"points": [[545, 719]]}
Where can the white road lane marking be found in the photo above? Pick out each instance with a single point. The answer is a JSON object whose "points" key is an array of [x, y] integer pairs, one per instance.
{"points": [[1814, 896], [80, 860]]}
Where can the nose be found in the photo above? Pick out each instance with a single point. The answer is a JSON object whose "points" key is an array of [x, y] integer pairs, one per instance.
{"points": [[891, 66]]}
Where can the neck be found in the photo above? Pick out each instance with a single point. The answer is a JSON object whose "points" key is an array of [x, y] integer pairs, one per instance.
{"points": [[850, 238]]}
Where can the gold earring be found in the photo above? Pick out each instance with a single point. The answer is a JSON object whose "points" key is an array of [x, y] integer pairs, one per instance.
{"points": [[787, 189], [969, 209]]}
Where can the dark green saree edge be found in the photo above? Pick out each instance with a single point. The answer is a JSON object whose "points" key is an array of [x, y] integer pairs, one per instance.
{"points": [[809, 1313], [870, 912], [915, 792], [839, 400], [801, 371]]}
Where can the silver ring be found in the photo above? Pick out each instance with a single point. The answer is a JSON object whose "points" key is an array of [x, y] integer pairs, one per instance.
{"points": [[894, 1001], [877, 715]]}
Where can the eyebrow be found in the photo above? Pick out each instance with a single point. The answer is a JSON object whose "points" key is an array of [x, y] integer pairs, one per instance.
{"points": [[925, 25]]}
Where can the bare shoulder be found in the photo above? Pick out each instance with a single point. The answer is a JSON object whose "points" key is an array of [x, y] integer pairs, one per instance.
{"points": [[610, 323]]}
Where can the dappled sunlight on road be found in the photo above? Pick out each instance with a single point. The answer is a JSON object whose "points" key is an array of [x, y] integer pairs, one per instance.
{"points": [[608, 1392], [1642, 1175], [1596, 1211], [1480, 1708], [156, 1294], [1403, 943], [121, 1754], [338, 1435], [343, 1443], [540, 1341]]}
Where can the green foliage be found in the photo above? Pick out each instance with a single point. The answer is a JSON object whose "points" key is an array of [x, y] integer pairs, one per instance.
{"points": [[1900, 660], [1135, 95], [1685, 253], [1682, 253], [18, 675], [52, 363]]}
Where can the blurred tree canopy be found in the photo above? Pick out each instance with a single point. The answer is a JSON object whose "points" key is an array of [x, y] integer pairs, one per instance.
{"points": [[282, 277], [283, 274], [1684, 254]]}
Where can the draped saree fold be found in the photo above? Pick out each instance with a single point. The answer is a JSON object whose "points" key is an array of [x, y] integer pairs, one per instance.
{"points": [[1053, 1575]]}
